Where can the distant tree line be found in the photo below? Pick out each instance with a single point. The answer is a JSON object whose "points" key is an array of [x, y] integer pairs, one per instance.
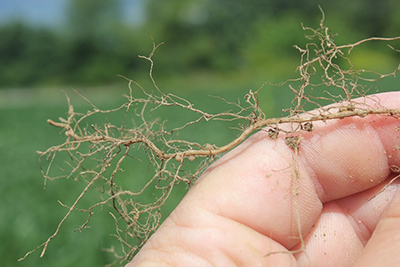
{"points": [[95, 44]]}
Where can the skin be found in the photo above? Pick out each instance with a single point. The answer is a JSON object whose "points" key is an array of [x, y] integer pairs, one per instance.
{"points": [[248, 210]]}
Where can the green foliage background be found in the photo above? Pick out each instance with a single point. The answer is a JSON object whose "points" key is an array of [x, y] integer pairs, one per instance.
{"points": [[212, 47], [220, 36]]}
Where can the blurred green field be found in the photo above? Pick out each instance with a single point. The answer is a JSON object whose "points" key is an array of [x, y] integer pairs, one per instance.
{"points": [[30, 213]]}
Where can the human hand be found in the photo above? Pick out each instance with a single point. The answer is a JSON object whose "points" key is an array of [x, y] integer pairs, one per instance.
{"points": [[264, 204]]}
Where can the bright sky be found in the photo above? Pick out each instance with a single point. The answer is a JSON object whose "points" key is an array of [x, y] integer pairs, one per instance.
{"points": [[51, 12]]}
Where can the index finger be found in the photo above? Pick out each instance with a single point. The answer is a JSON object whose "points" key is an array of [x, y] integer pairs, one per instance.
{"points": [[255, 182]]}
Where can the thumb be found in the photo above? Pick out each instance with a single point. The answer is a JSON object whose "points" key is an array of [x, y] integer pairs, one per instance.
{"points": [[383, 248]]}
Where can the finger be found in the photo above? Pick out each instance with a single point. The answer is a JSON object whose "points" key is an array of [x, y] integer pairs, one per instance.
{"points": [[263, 179], [344, 227], [263, 189], [350, 155], [383, 249]]}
